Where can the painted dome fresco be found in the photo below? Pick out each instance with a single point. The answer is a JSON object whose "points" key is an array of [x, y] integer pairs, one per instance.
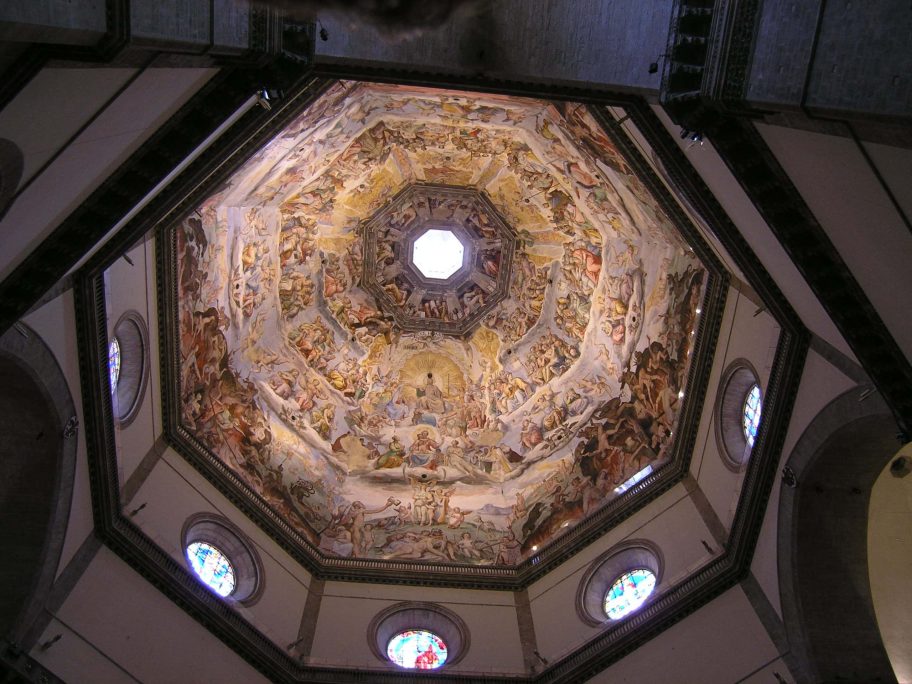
{"points": [[433, 326]]}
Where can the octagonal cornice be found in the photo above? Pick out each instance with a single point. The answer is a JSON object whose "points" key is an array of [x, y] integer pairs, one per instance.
{"points": [[119, 532]]}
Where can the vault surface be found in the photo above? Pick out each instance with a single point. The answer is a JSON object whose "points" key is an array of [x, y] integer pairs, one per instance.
{"points": [[467, 420]]}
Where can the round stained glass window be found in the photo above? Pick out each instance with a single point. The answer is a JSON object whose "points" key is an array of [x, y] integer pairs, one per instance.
{"points": [[114, 363], [417, 649], [750, 420], [629, 592], [212, 567]]}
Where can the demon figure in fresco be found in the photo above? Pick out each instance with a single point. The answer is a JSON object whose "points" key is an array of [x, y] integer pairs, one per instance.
{"points": [[467, 419]]}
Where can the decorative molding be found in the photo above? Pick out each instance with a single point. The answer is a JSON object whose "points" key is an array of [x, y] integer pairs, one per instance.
{"points": [[810, 249], [769, 187], [734, 32]]}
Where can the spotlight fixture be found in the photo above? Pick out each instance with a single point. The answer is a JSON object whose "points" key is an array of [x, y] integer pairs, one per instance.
{"points": [[694, 136], [654, 66], [267, 96]]}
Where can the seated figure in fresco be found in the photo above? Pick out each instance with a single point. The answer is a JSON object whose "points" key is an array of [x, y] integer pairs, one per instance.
{"points": [[423, 451], [430, 397], [393, 456]]}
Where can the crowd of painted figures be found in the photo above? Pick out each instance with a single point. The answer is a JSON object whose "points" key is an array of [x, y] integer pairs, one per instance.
{"points": [[378, 443]]}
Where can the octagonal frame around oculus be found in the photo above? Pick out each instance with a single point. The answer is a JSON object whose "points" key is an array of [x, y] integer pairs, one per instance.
{"points": [[416, 227]]}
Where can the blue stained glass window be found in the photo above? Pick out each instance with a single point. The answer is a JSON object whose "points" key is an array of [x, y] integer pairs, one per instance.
{"points": [[417, 649], [114, 362], [629, 592], [212, 566], [751, 417]]}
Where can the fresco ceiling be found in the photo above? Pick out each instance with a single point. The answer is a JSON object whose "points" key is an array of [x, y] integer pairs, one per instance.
{"points": [[470, 419]]}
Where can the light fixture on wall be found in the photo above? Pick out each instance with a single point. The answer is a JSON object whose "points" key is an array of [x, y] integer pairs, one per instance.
{"points": [[654, 66]]}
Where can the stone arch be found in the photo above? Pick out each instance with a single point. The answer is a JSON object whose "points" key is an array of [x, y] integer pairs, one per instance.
{"points": [[823, 567], [37, 466]]}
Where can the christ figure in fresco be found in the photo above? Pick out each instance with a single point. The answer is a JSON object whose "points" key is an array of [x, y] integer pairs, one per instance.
{"points": [[430, 397]]}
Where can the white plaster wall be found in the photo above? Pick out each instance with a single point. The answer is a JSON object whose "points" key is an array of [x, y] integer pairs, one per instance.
{"points": [[172, 493], [671, 522], [752, 337], [704, 442], [856, 213], [755, 231], [723, 642], [705, 230], [75, 659], [127, 621], [132, 288], [41, 130], [895, 166], [98, 150]]}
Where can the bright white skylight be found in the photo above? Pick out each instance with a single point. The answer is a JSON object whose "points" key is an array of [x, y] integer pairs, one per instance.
{"points": [[438, 254]]}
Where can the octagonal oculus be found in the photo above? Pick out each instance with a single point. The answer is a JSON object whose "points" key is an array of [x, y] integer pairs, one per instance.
{"points": [[438, 254]]}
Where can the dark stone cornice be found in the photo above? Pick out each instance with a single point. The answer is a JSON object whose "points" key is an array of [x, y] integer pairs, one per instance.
{"points": [[813, 253], [124, 189], [277, 55]]}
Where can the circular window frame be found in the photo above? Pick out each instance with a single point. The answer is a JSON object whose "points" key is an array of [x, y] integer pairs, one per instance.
{"points": [[737, 380], [218, 531], [417, 615], [610, 566], [132, 336]]}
